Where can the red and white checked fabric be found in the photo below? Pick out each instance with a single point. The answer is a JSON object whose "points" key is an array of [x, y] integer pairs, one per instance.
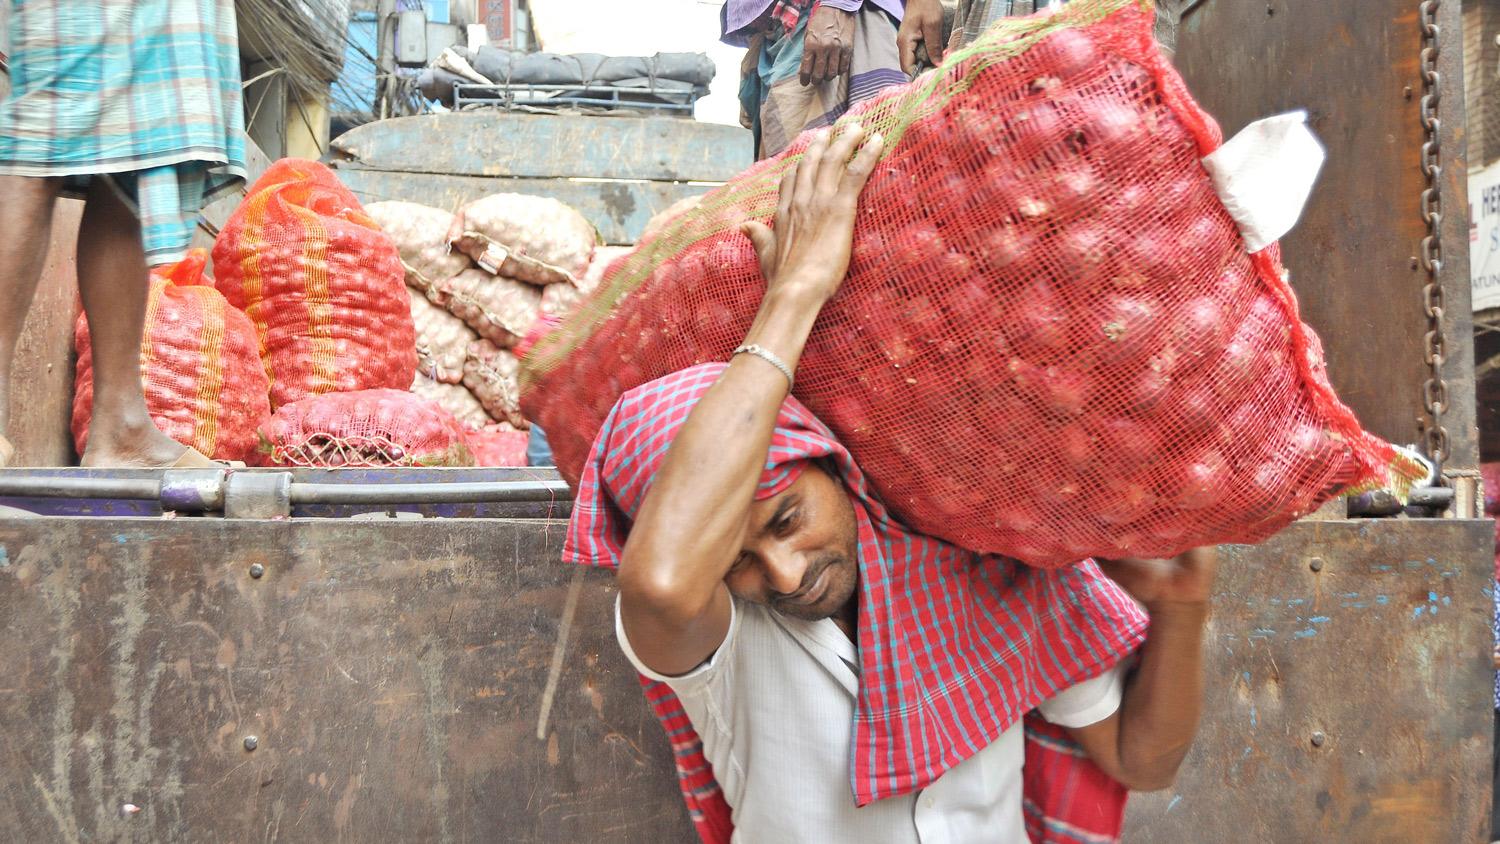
{"points": [[954, 647], [788, 12]]}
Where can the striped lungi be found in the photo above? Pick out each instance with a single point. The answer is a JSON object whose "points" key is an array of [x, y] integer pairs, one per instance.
{"points": [[780, 107], [143, 92]]}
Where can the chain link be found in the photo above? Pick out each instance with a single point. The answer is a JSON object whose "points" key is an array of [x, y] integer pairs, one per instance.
{"points": [[1434, 352]]}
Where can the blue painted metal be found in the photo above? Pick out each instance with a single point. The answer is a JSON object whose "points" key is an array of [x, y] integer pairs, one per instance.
{"points": [[499, 144]]}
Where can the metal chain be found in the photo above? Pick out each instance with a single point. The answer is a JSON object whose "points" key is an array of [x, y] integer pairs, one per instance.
{"points": [[1435, 390]]}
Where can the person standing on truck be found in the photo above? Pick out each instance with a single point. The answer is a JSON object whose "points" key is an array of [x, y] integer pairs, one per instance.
{"points": [[825, 673], [133, 106], [809, 61], [925, 23]]}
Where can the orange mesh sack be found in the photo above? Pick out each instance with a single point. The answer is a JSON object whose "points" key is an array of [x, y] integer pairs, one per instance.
{"points": [[322, 283], [200, 366], [364, 428], [1052, 343]]}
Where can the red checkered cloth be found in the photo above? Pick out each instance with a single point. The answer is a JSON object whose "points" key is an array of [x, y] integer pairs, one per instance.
{"points": [[954, 648], [788, 12]]}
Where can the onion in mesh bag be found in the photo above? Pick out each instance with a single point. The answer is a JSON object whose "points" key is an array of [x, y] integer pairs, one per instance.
{"points": [[364, 428], [421, 236], [559, 300], [442, 340], [1052, 343], [491, 373], [500, 309], [499, 444], [454, 398], [531, 238]]}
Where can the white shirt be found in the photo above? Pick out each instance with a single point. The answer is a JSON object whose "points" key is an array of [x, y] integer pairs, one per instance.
{"points": [[774, 707]]}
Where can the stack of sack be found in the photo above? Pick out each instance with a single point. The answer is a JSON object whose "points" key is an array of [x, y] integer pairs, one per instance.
{"points": [[332, 335], [521, 262]]}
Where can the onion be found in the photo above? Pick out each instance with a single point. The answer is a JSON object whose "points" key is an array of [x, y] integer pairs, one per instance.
{"points": [[1128, 324], [1076, 446], [1111, 125], [1203, 481], [1035, 128], [1004, 245], [918, 244], [1066, 53], [1130, 443], [1199, 325], [1147, 390], [1074, 188], [1039, 327], [1121, 501]]}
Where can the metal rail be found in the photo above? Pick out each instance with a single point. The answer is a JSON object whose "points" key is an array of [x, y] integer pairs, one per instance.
{"points": [[504, 492], [213, 490], [542, 96]]}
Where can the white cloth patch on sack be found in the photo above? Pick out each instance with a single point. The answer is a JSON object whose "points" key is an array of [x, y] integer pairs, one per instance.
{"points": [[1265, 174]]}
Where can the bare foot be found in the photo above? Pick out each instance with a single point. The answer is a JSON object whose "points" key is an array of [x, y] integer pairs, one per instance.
{"points": [[134, 448]]}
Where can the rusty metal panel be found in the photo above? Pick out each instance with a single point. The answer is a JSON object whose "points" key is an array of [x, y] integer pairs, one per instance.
{"points": [[1353, 64], [395, 676], [491, 142], [618, 209], [1348, 691]]}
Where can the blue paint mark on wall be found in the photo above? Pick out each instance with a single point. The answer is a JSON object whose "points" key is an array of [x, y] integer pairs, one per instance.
{"points": [[1382, 600], [1320, 619], [1172, 804], [1416, 611], [1296, 602], [4, 558], [1305, 634], [1253, 718]]}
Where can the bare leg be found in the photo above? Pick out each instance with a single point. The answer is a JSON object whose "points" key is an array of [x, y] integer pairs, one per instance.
{"points": [[26, 217], [113, 282]]}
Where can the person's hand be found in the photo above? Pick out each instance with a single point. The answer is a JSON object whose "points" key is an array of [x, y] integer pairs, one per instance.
{"points": [[921, 23], [829, 45], [807, 253], [1186, 579]]}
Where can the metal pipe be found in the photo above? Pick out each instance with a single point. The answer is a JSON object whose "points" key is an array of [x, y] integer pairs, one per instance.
{"points": [[504, 492], [34, 486]]}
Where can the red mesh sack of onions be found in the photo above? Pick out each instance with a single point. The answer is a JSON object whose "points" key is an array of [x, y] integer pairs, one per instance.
{"points": [[321, 282], [200, 366], [1052, 343], [364, 428], [499, 445]]}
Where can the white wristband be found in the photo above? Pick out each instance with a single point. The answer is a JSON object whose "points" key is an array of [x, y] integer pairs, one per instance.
{"points": [[769, 357]]}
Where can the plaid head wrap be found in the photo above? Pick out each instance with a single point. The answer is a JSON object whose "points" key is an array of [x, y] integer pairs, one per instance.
{"points": [[954, 648]]}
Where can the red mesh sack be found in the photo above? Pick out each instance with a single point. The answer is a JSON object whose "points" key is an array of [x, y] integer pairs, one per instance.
{"points": [[499, 445], [364, 428], [200, 366], [1052, 343], [322, 283]]}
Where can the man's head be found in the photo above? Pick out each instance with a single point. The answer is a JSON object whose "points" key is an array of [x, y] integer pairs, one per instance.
{"points": [[800, 555]]}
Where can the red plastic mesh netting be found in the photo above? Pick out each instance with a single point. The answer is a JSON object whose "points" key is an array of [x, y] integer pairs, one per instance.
{"points": [[322, 283], [364, 428], [1051, 344], [200, 366]]}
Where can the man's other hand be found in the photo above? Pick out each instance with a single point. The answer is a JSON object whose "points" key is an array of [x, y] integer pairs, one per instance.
{"points": [[921, 23], [829, 45], [1187, 578]]}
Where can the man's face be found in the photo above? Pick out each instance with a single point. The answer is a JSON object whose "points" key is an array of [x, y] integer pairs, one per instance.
{"points": [[800, 554]]}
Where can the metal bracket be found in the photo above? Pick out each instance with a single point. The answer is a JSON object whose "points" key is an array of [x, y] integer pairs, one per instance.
{"points": [[259, 495]]}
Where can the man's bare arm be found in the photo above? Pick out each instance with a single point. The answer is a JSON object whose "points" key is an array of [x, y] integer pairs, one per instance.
{"points": [[673, 602], [1143, 744]]}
